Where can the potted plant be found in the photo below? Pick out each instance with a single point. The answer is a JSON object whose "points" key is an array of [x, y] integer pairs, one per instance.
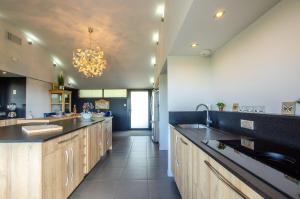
{"points": [[221, 106], [61, 82]]}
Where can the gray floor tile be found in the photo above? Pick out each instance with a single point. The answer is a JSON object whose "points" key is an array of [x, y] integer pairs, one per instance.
{"points": [[134, 169], [137, 189], [139, 173], [163, 189]]}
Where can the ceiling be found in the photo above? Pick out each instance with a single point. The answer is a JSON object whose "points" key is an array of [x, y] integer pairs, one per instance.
{"points": [[123, 28], [201, 27]]}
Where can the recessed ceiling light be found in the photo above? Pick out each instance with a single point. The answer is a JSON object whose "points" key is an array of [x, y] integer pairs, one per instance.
{"points": [[4, 72], [31, 38], [160, 11], [153, 61], [56, 61], [155, 37], [219, 14], [152, 80], [194, 45]]}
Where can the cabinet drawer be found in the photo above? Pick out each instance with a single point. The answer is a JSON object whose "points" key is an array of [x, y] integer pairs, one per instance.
{"points": [[54, 144], [227, 178]]}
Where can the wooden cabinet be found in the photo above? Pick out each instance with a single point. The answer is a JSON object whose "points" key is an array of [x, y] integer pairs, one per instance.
{"points": [[199, 176], [60, 100], [183, 165], [52, 169], [107, 129], [2, 123], [8, 122], [63, 165], [97, 144]]}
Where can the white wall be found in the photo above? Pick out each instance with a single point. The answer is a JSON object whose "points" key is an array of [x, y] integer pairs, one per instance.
{"points": [[37, 97], [175, 13], [163, 113], [261, 66], [189, 82], [30, 60]]}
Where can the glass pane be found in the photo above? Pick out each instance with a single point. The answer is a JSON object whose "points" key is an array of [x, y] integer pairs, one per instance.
{"points": [[56, 98], [56, 108], [67, 98], [90, 93], [115, 93], [139, 109]]}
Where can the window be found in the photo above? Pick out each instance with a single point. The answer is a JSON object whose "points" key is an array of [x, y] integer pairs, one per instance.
{"points": [[111, 93], [90, 93]]}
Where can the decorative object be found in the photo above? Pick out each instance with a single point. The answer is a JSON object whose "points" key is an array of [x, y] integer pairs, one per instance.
{"points": [[86, 114], [61, 81], [221, 106], [12, 110], [89, 61], [102, 104], [288, 108], [298, 101], [235, 107]]}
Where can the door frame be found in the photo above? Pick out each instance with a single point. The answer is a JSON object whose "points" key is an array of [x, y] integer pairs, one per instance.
{"points": [[129, 108]]}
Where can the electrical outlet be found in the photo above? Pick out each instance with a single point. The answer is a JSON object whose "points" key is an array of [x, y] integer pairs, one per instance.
{"points": [[247, 124]]}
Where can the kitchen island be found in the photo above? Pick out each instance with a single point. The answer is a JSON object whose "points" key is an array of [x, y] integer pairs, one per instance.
{"points": [[206, 164], [51, 165]]}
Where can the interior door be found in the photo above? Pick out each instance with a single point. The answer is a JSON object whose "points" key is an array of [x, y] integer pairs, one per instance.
{"points": [[139, 109]]}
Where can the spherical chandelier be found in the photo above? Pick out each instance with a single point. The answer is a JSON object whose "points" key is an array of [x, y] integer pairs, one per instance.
{"points": [[89, 61]]}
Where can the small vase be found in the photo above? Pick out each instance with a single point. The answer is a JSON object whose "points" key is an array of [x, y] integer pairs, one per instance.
{"points": [[86, 116], [61, 88], [221, 109]]}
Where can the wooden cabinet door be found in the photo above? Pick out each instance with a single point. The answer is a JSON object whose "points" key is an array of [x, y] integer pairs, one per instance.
{"points": [[109, 134], [201, 178], [185, 167], [178, 165], [76, 150], [99, 140], [104, 139], [93, 154], [56, 174], [172, 147], [224, 185]]}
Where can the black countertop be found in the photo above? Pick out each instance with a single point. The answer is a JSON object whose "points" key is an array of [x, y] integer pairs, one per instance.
{"points": [[248, 172], [11, 134]]}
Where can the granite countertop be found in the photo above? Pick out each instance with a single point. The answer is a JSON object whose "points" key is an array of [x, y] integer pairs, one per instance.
{"points": [[200, 136], [12, 134]]}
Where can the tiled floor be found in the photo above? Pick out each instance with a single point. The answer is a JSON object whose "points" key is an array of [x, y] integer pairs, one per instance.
{"points": [[135, 169]]}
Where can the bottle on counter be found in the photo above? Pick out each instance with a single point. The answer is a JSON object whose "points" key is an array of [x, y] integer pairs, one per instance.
{"points": [[74, 109]]}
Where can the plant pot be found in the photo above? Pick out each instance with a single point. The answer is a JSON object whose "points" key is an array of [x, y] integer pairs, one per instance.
{"points": [[221, 108], [61, 88]]}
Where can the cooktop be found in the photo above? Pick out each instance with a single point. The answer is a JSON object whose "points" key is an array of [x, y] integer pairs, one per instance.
{"points": [[268, 161]]}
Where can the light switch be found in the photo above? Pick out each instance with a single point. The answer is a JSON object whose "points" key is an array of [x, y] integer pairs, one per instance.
{"points": [[14, 92]]}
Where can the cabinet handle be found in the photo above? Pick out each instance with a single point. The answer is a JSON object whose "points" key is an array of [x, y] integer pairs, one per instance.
{"points": [[72, 171], [66, 140], [67, 167], [225, 181], [183, 141], [176, 156]]}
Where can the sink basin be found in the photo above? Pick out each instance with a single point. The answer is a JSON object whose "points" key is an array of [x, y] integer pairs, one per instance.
{"points": [[192, 126]]}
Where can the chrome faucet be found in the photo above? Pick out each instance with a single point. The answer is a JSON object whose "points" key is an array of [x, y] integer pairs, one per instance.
{"points": [[208, 121]]}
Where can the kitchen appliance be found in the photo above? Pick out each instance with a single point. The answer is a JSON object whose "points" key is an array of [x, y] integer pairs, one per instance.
{"points": [[12, 110], [155, 115]]}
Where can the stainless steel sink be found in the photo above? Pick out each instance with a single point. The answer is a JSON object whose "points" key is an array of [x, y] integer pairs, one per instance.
{"points": [[192, 126]]}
